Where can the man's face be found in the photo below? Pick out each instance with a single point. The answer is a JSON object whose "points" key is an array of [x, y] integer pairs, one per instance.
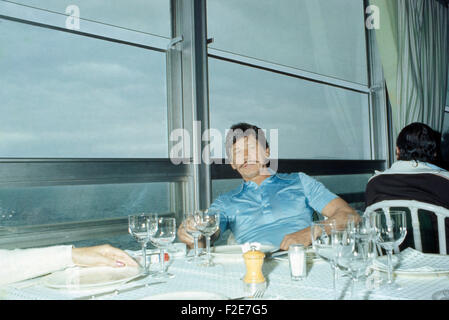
{"points": [[249, 156]]}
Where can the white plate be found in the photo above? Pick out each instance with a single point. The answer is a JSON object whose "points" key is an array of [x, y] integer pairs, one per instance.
{"points": [[413, 262], [78, 278], [234, 252], [187, 295]]}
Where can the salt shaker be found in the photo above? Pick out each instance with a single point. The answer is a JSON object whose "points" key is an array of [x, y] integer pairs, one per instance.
{"points": [[297, 261], [253, 279]]}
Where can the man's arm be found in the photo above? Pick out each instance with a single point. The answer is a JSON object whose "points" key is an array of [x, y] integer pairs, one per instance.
{"points": [[337, 209]]}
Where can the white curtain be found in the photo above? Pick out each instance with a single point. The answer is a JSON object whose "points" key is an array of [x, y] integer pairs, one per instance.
{"points": [[413, 41]]}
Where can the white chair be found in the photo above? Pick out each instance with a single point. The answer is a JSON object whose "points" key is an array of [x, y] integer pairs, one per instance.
{"points": [[413, 206]]}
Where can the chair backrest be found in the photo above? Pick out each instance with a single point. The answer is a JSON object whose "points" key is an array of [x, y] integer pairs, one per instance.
{"points": [[414, 206]]}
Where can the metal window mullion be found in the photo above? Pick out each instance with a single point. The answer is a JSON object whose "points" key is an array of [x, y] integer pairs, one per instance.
{"points": [[190, 24], [377, 94]]}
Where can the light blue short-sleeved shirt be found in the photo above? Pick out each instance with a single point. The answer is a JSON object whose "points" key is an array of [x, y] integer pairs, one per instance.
{"points": [[265, 213]]}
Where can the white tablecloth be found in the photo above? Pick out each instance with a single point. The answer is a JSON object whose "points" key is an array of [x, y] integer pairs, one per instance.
{"points": [[225, 279]]}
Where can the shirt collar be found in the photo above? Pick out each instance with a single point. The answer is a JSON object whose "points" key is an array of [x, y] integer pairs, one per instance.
{"points": [[246, 184]]}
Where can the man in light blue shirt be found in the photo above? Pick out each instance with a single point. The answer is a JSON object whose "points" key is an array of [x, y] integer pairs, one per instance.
{"points": [[267, 207]]}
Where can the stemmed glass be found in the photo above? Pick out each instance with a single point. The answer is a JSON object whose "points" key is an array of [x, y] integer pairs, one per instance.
{"points": [[390, 228], [322, 244], [191, 224], [164, 236], [208, 224], [355, 251], [141, 227]]}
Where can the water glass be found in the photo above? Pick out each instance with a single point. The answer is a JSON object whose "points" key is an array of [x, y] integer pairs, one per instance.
{"points": [[142, 227], [191, 221], [354, 252], [390, 228], [322, 245], [208, 223], [162, 238]]}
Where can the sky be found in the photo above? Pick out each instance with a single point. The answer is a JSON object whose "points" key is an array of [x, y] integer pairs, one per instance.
{"points": [[64, 95]]}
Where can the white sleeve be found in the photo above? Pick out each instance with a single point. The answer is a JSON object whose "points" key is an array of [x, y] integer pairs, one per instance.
{"points": [[22, 264]]}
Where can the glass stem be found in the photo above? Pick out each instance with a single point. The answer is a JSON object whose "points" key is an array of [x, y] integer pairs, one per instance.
{"points": [[353, 281], [334, 280], [390, 265], [195, 245], [208, 248], [144, 257], [162, 259]]}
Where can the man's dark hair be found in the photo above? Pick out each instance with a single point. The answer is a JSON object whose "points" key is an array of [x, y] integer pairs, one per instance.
{"points": [[418, 142], [244, 129]]}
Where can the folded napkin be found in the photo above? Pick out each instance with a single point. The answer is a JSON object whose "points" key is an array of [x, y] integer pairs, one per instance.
{"points": [[411, 260]]}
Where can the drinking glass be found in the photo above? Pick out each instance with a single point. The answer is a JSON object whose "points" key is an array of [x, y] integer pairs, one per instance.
{"points": [[191, 224], [322, 244], [141, 227], [208, 223], [164, 236], [355, 252], [390, 228]]}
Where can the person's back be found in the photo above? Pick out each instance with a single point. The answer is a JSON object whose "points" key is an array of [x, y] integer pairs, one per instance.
{"points": [[410, 180], [414, 177]]}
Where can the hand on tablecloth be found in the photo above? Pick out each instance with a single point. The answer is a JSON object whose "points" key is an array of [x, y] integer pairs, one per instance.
{"points": [[301, 237]]}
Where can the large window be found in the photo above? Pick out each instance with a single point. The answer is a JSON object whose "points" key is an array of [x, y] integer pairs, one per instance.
{"points": [[65, 95], [321, 36], [83, 131], [314, 121]]}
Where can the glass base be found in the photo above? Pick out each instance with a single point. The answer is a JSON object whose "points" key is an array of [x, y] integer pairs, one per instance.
{"points": [[195, 259], [379, 283], [163, 275], [208, 263]]}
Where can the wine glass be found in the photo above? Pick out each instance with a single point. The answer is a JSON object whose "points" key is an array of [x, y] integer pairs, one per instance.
{"points": [[322, 244], [141, 227], [191, 224], [208, 223], [355, 252], [390, 228], [164, 236]]}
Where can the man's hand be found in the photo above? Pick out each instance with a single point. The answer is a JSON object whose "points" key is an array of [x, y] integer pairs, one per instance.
{"points": [[301, 237], [104, 255], [186, 237]]}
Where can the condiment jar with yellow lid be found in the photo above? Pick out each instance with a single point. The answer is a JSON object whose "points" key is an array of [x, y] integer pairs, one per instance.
{"points": [[253, 279]]}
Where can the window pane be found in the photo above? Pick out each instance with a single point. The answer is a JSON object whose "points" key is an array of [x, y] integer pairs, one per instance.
{"points": [[314, 121], [321, 36], [152, 16], [65, 95], [48, 205]]}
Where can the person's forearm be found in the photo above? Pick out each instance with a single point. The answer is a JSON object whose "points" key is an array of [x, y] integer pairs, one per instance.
{"points": [[343, 215], [21, 264]]}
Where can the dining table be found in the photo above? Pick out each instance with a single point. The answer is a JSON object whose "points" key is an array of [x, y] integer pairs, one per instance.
{"points": [[224, 280]]}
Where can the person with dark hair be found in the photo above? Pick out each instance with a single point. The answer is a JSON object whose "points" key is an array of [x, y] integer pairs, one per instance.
{"points": [[414, 176], [268, 207]]}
